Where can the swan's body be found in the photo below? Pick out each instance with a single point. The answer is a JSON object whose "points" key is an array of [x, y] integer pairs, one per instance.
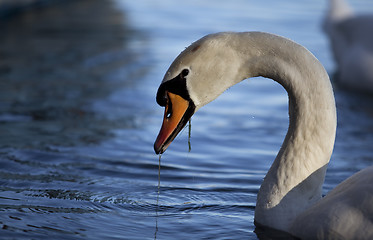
{"points": [[351, 40], [293, 184]]}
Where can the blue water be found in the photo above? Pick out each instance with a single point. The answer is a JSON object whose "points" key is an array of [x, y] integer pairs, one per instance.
{"points": [[78, 121]]}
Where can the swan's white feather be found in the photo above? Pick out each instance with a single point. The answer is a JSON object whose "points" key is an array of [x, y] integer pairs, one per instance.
{"points": [[345, 213], [351, 40], [293, 184]]}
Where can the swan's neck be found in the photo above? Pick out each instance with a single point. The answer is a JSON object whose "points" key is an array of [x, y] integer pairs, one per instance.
{"points": [[339, 10], [294, 181]]}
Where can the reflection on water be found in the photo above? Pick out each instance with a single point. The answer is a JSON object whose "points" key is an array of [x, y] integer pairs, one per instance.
{"points": [[78, 119]]}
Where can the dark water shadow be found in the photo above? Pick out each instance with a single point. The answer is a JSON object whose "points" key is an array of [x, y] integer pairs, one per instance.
{"points": [[56, 62]]}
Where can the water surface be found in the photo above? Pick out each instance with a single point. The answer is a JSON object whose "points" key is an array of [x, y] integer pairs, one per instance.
{"points": [[78, 119]]}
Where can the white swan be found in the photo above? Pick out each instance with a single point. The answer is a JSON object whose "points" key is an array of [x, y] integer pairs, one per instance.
{"points": [[289, 198], [351, 40]]}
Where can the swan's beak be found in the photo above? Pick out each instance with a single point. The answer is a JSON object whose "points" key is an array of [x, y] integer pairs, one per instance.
{"points": [[176, 115]]}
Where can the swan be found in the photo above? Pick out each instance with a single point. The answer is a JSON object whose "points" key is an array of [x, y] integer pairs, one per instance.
{"points": [[351, 40], [289, 198]]}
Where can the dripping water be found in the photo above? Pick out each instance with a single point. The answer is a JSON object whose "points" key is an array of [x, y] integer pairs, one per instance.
{"points": [[159, 175], [189, 134], [158, 192]]}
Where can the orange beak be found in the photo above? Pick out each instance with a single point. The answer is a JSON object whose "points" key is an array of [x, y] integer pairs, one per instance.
{"points": [[175, 118]]}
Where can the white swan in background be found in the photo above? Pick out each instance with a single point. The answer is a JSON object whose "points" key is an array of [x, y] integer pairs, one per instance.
{"points": [[351, 40], [289, 198]]}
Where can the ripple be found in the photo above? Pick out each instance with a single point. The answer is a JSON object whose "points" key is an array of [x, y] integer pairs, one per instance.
{"points": [[78, 120]]}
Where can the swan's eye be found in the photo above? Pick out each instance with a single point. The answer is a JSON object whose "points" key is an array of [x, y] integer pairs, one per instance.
{"points": [[184, 73]]}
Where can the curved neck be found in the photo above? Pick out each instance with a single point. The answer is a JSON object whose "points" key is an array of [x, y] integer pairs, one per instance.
{"points": [[218, 61], [294, 181]]}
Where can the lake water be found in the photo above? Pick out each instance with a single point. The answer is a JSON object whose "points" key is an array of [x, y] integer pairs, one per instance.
{"points": [[78, 119]]}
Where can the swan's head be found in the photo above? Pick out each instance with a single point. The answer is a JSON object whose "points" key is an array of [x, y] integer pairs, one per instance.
{"points": [[197, 76]]}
